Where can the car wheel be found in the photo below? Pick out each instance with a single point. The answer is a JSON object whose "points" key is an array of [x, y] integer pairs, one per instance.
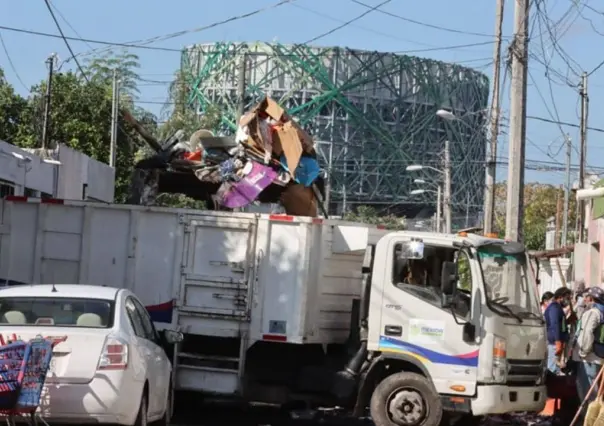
{"points": [[141, 417], [406, 399]]}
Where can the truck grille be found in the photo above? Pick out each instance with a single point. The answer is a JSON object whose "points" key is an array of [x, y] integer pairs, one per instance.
{"points": [[524, 372]]}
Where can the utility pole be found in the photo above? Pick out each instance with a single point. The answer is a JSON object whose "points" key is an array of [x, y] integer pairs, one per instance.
{"points": [[439, 201], [328, 177], [241, 83], [51, 64], [467, 210], [114, 119], [489, 199], [447, 189], [566, 193], [583, 153], [517, 143], [558, 211]]}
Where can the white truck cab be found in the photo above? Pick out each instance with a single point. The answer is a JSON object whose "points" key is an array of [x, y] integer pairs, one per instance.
{"points": [[451, 323]]}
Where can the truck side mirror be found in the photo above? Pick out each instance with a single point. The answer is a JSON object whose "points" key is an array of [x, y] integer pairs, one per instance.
{"points": [[448, 278], [469, 332]]}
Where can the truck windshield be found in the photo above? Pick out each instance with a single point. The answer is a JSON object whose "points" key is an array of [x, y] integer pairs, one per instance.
{"points": [[507, 285]]}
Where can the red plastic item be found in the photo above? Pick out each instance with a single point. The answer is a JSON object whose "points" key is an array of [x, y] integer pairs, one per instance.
{"points": [[194, 156]]}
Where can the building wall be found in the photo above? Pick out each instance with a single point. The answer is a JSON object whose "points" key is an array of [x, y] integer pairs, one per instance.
{"points": [[82, 177], [35, 175], [77, 177]]}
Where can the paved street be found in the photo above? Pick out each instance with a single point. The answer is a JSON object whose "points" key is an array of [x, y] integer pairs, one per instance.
{"points": [[263, 417]]}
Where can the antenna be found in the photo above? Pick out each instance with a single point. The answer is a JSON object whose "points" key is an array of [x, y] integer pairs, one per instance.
{"points": [[54, 289]]}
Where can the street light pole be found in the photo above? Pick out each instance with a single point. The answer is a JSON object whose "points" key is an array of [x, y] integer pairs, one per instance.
{"points": [[447, 189]]}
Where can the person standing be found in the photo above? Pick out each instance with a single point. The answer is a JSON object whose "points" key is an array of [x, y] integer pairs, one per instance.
{"points": [[557, 328], [546, 299], [589, 346], [579, 299]]}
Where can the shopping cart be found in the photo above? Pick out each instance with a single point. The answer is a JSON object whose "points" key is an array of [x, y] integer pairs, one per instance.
{"points": [[23, 368]]}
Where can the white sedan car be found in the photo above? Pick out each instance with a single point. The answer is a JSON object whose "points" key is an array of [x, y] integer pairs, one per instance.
{"points": [[109, 364]]}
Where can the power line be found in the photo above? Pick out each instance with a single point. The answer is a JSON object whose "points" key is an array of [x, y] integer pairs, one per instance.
{"points": [[54, 18], [563, 123], [345, 24], [87, 40], [12, 65], [425, 24], [168, 49], [371, 30]]}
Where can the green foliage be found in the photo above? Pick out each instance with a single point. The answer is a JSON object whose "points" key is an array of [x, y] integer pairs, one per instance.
{"points": [[101, 69], [182, 118], [463, 270], [179, 201], [540, 204], [11, 107], [367, 214]]}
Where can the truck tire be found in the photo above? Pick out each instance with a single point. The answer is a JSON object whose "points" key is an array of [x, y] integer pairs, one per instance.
{"points": [[406, 399]]}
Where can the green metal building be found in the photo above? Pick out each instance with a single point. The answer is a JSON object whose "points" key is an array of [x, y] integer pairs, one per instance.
{"points": [[371, 115]]}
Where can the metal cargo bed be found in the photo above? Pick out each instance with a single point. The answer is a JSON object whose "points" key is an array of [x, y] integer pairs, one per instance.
{"points": [[254, 276]]}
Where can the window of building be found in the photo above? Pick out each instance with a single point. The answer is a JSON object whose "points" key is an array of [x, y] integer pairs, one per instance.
{"points": [[6, 189]]}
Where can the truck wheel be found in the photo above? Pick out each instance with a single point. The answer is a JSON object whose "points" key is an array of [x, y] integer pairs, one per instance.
{"points": [[406, 399]]}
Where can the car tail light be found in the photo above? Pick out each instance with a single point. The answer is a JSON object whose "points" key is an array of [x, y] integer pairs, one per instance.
{"points": [[114, 355]]}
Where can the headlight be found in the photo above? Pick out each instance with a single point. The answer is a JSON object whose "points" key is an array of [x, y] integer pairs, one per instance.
{"points": [[500, 364]]}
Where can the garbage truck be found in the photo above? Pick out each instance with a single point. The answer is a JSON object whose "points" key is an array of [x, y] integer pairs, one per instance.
{"points": [[409, 327]]}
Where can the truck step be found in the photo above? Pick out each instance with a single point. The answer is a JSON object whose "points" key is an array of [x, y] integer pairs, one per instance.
{"points": [[208, 362], [200, 357]]}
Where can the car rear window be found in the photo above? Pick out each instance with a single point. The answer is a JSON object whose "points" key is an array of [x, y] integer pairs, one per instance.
{"points": [[56, 311]]}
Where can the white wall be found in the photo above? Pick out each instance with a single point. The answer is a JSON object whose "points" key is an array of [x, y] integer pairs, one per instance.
{"points": [[75, 172], [34, 175]]}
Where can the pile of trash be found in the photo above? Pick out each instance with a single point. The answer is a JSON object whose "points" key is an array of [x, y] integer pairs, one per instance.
{"points": [[270, 155]]}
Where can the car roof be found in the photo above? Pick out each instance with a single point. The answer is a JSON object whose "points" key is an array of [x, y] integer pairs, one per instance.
{"points": [[77, 291]]}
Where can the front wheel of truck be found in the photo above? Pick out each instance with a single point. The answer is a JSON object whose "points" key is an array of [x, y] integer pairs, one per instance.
{"points": [[406, 399]]}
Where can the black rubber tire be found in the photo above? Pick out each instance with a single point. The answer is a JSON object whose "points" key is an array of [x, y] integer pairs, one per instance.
{"points": [[141, 417], [381, 394]]}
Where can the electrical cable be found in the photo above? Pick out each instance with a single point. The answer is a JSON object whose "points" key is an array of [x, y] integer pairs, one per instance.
{"points": [[46, 2], [54, 18], [370, 30], [345, 24], [156, 39], [424, 24], [12, 64], [68, 24]]}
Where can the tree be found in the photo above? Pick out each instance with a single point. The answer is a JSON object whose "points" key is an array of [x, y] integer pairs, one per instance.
{"points": [[540, 204], [367, 214], [101, 69], [11, 107], [181, 117]]}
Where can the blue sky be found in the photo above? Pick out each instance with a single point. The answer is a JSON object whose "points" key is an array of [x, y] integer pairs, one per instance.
{"points": [[573, 29]]}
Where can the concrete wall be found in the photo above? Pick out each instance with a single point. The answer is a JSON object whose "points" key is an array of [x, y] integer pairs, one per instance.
{"points": [[77, 177], [35, 174], [82, 176]]}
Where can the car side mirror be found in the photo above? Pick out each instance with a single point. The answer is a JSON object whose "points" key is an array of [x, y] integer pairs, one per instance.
{"points": [[172, 337]]}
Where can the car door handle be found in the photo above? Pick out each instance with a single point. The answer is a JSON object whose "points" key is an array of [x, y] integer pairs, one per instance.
{"points": [[393, 330]]}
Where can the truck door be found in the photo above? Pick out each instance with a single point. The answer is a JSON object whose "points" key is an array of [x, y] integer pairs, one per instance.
{"points": [[416, 326], [216, 268]]}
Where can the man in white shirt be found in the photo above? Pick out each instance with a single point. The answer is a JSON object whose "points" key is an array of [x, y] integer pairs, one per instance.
{"points": [[588, 363]]}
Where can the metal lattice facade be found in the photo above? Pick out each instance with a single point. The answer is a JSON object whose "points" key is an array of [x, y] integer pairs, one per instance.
{"points": [[371, 113]]}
